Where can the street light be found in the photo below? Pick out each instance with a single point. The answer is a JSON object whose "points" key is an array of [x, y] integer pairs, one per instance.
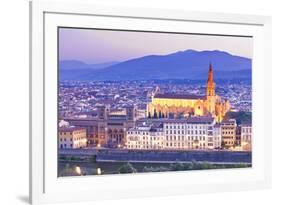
{"points": [[78, 170], [98, 171]]}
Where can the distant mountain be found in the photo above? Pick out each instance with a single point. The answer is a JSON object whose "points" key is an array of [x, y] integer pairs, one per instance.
{"points": [[189, 64], [74, 64], [78, 70]]}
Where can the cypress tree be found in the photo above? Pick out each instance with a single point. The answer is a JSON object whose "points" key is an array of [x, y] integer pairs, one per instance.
{"points": [[155, 114]]}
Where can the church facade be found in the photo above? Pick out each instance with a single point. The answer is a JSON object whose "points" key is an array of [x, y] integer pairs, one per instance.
{"points": [[185, 104]]}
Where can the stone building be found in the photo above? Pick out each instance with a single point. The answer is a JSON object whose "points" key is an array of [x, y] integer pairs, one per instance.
{"points": [[246, 136], [188, 104], [109, 127], [175, 134], [72, 137], [228, 131]]}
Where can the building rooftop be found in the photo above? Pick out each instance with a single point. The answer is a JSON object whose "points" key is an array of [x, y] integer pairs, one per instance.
{"points": [[117, 117], [179, 96], [203, 119], [191, 120], [70, 129], [88, 118], [228, 121], [246, 124], [140, 128]]}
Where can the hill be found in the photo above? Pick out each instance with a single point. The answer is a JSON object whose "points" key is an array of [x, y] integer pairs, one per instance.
{"points": [[189, 64]]}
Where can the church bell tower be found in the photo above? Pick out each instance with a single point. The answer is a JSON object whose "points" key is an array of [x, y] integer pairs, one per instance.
{"points": [[210, 82], [210, 91]]}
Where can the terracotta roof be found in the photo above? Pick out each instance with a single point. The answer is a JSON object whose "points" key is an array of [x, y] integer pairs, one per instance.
{"points": [[204, 119], [70, 129], [179, 96], [193, 120]]}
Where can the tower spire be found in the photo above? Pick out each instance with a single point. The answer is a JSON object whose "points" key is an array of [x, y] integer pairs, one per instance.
{"points": [[210, 73], [210, 82], [210, 91]]}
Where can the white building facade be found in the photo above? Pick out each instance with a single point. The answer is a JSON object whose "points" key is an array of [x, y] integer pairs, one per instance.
{"points": [[190, 133], [217, 139], [246, 136], [177, 134], [145, 137]]}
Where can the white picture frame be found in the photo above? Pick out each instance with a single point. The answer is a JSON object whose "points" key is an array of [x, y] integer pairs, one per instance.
{"points": [[46, 187]]}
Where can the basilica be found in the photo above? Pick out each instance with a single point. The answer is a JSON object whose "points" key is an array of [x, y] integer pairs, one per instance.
{"points": [[188, 104]]}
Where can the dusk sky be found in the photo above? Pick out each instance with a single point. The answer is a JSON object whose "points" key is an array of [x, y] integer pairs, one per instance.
{"points": [[99, 46]]}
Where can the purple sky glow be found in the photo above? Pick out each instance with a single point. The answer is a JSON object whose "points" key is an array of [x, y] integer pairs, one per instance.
{"points": [[99, 46]]}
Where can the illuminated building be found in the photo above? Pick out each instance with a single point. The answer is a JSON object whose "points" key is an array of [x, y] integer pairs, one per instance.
{"points": [[72, 137], [228, 131], [175, 134], [188, 104], [145, 137], [189, 133], [246, 136], [109, 126]]}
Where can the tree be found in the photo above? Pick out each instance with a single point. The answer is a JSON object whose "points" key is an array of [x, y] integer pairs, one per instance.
{"points": [[155, 114], [240, 116], [160, 114], [127, 168], [93, 158]]}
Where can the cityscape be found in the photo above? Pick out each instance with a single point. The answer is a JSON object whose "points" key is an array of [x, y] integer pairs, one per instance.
{"points": [[121, 117]]}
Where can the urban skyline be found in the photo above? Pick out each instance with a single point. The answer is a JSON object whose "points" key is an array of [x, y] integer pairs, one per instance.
{"points": [[142, 116]]}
